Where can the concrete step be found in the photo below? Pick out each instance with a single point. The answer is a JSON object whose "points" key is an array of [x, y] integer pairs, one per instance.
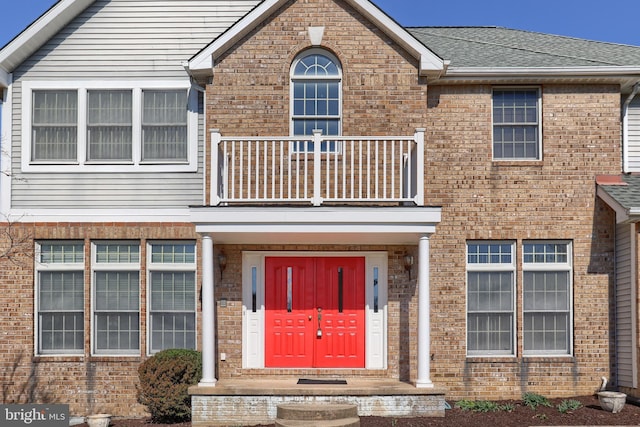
{"points": [[344, 422], [314, 411]]}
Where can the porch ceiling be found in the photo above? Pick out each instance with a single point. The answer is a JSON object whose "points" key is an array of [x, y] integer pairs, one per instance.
{"points": [[316, 225]]}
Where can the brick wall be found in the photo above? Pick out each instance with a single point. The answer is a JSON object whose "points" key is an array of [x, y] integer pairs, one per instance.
{"points": [[87, 383], [551, 199]]}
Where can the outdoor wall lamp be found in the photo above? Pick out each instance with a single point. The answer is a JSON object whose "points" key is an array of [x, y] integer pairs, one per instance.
{"points": [[408, 264], [222, 263]]}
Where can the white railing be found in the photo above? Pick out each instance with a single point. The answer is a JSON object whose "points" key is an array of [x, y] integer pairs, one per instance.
{"points": [[317, 169]]}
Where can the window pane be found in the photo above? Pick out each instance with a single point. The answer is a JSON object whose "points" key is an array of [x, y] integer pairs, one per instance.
{"points": [[173, 253], [164, 125], [490, 333], [117, 291], [173, 330], [117, 253], [546, 333], [54, 125], [117, 331], [490, 291], [515, 124], [109, 128]]}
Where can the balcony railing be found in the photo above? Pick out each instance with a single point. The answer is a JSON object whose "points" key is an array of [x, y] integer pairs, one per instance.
{"points": [[317, 169]]}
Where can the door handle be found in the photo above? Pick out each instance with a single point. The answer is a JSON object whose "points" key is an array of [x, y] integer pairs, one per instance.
{"points": [[319, 331]]}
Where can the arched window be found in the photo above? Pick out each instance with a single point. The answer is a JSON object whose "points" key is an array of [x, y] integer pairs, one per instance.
{"points": [[316, 93]]}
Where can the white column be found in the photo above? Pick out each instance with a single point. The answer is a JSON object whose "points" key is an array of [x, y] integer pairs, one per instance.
{"points": [[208, 316], [424, 313]]}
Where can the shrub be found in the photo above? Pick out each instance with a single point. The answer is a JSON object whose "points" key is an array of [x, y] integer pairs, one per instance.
{"points": [[533, 400], [164, 380], [568, 405], [483, 406]]}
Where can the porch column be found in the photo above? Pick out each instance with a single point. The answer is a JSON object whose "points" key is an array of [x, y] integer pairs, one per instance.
{"points": [[208, 315], [424, 312]]}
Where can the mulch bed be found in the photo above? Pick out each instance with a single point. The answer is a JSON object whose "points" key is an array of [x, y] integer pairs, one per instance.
{"points": [[590, 414]]}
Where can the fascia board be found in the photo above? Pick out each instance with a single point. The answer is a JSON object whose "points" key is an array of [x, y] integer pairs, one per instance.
{"points": [[39, 32], [605, 71], [429, 62], [5, 79]]}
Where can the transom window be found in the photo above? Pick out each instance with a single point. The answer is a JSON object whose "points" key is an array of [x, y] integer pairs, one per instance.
{"points": [[516, 124], [110, 128], [316, 81]]}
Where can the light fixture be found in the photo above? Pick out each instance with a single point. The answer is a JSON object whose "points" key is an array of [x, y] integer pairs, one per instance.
{"points": [[222, 263], [408, 264]]}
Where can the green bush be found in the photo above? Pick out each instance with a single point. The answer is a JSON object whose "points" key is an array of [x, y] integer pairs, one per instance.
{"points": [[483, 406], [569, 405], [533, 400], [164, 380]]}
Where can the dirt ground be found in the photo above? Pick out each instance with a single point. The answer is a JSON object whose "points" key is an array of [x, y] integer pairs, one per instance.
{"points": [[589, 414]]}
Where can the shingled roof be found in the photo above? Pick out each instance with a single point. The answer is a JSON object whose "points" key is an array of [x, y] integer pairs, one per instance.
{"points": [[497, 47], [622, 193]]}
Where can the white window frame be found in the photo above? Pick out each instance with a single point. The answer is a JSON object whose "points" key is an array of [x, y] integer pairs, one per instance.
{"points": [[492, 267], [49, 267], [538, 89], [172, 267], [115, 267], [550, 267], [293, 78], [81, 164]]}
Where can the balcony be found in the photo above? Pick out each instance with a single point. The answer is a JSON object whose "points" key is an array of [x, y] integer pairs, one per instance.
{"points": [[318, 170]]}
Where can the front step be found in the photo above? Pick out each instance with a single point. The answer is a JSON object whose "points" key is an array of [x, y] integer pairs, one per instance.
{"points": [[318, 415]]}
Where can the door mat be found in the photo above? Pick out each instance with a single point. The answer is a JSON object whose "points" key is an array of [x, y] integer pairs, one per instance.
{"points": [[308, 381]]}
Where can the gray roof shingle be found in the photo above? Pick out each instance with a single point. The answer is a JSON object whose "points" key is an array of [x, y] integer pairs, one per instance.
{"points": [[628, 196], [498, 47]]}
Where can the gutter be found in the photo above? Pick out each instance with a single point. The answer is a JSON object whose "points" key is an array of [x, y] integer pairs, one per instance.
{"points": [[625, 127]]}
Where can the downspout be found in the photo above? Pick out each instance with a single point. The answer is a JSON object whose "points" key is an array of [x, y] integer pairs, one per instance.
{"points": [[195, 86], [625, 127]]}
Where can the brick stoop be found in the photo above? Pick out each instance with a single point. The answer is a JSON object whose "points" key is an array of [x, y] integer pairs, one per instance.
{"points": [[319, 415]]}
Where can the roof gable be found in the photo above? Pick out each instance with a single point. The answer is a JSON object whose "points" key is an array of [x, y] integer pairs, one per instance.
{"points": [[430, 64], [37, 34]]}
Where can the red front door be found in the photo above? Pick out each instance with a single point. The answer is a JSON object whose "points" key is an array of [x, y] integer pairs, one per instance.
{"points": [[314, 312]]}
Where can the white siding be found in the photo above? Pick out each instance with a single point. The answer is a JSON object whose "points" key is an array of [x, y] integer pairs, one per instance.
{"points": [[633, 142], [625, 310], [121, 39]]}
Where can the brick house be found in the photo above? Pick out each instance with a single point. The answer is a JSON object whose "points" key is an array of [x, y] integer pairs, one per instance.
{"points": [[307, 190]]}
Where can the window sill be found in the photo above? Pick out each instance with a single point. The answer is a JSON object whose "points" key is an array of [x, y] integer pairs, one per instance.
{"points": [[109, 168], [516, 163], [78, 359], [521, 359]]}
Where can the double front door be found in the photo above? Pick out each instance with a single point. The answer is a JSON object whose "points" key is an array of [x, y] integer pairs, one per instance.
{"points": [[315, 312]]}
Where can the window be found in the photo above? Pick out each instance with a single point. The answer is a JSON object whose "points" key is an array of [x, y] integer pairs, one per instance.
{"points": [[164, 125], [110, 126], [490, 298], [172, 293], [316, 81], [116, 298], [547, 304], [60, 290], [516, 124], [55, 125]]}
